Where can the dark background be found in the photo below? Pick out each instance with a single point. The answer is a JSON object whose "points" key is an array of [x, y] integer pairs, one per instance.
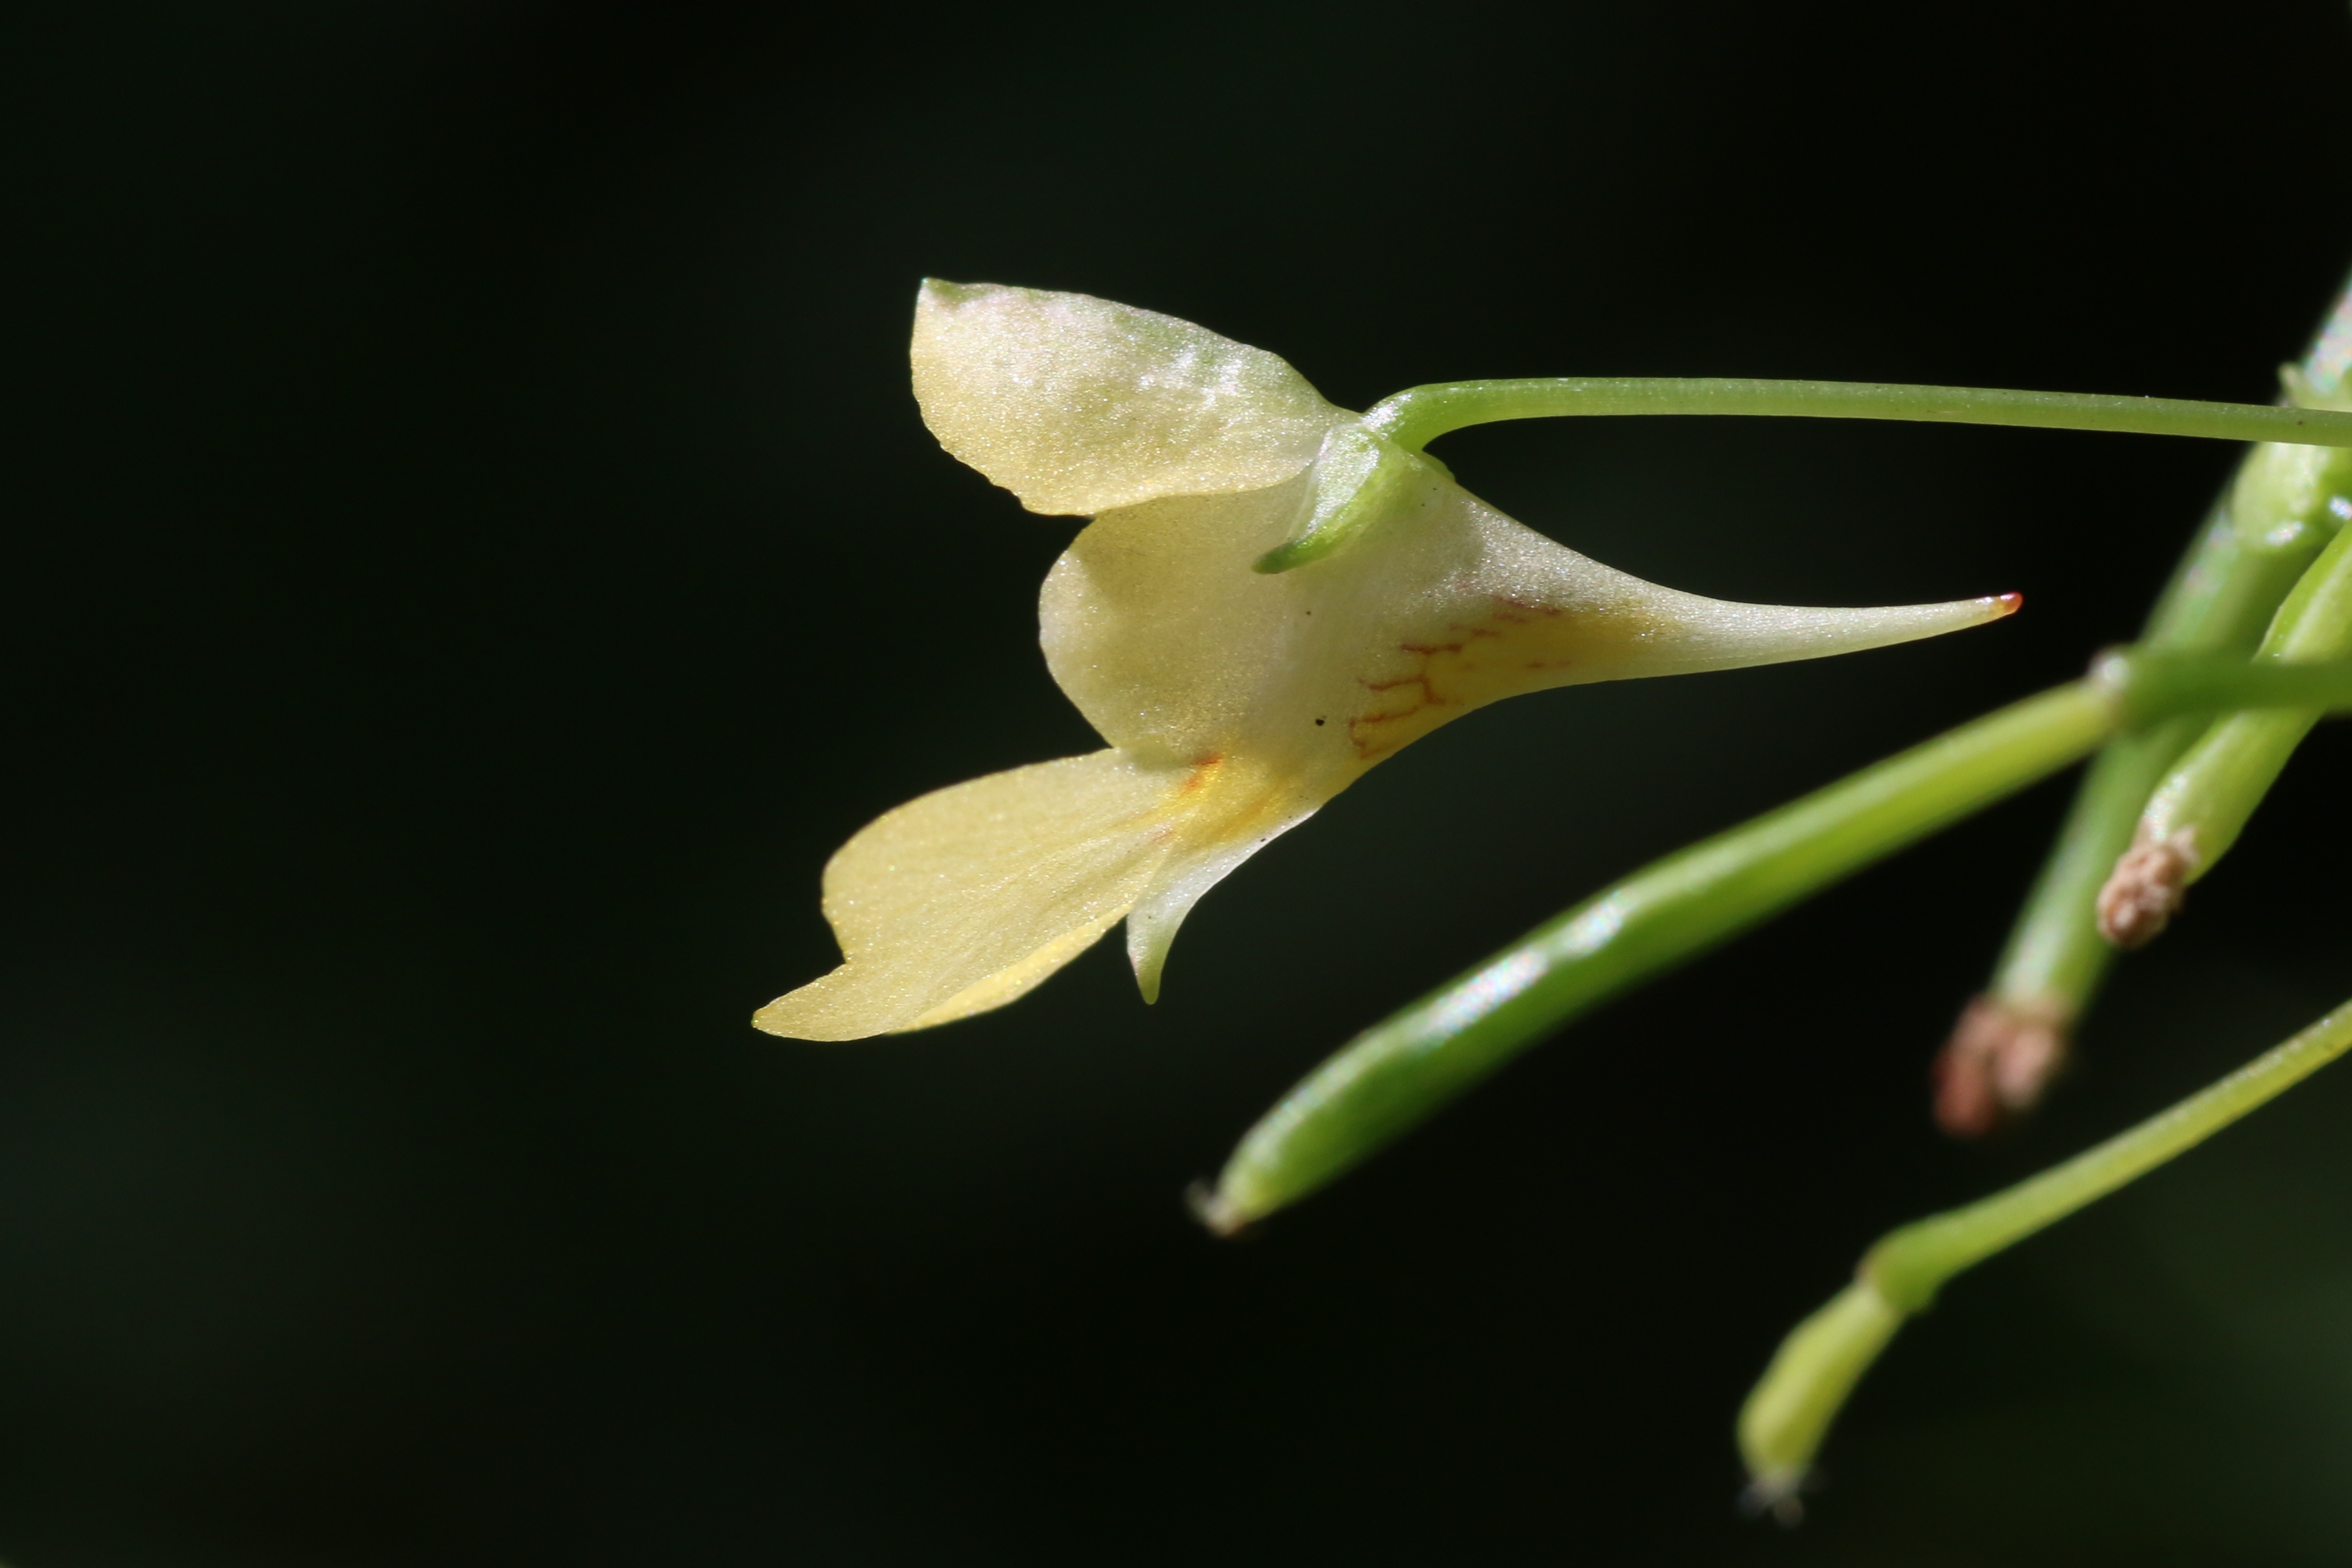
{"points": [[473, 555]]}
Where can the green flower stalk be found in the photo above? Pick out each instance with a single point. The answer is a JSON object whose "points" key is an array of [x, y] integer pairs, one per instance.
{"points": [[1816, 1368], [1362, 468], [2274, 519]]}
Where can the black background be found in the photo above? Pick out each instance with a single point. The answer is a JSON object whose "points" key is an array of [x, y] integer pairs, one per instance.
{"points": [[473, 555]]}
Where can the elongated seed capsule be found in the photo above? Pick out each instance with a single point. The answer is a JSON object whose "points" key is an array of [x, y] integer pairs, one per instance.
{"points": [[1401, 1069], [2203, 804], [2265, 530], [1785, 1419]]}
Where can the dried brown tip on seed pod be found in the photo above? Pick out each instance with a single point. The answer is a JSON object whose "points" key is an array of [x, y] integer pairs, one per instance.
{"points": [[2145, 889], [2001, 1058]]}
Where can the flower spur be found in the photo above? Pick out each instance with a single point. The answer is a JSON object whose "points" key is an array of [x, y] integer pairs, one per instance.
{"points": [[1386, 600]]}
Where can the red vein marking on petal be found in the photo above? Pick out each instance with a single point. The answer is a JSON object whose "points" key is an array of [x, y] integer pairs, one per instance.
{"points": [[1450, 675]]}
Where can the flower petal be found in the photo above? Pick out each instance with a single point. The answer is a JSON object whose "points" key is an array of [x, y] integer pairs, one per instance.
{"points": [[1156, 629], [1077, 406], [962, 900], [1276, 692], [1181, 883]]}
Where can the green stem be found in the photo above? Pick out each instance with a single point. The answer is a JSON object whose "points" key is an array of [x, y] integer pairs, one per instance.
{"points": [[1402, 1070], [1817, 1366], [2156, 688], [1418, 416], [1364, 464]]}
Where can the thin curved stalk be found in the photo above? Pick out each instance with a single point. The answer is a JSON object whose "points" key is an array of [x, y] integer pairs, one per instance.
{"points": [[1418, 416]]}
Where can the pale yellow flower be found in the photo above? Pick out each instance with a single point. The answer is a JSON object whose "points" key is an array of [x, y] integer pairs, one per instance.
{"points": [[1235, 701]]}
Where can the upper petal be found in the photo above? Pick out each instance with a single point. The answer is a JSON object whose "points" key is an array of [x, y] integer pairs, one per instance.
{"points": [[1077, 404]]}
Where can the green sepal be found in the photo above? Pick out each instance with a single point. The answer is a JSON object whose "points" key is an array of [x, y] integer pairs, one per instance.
{"points": [[1360, 476]]}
